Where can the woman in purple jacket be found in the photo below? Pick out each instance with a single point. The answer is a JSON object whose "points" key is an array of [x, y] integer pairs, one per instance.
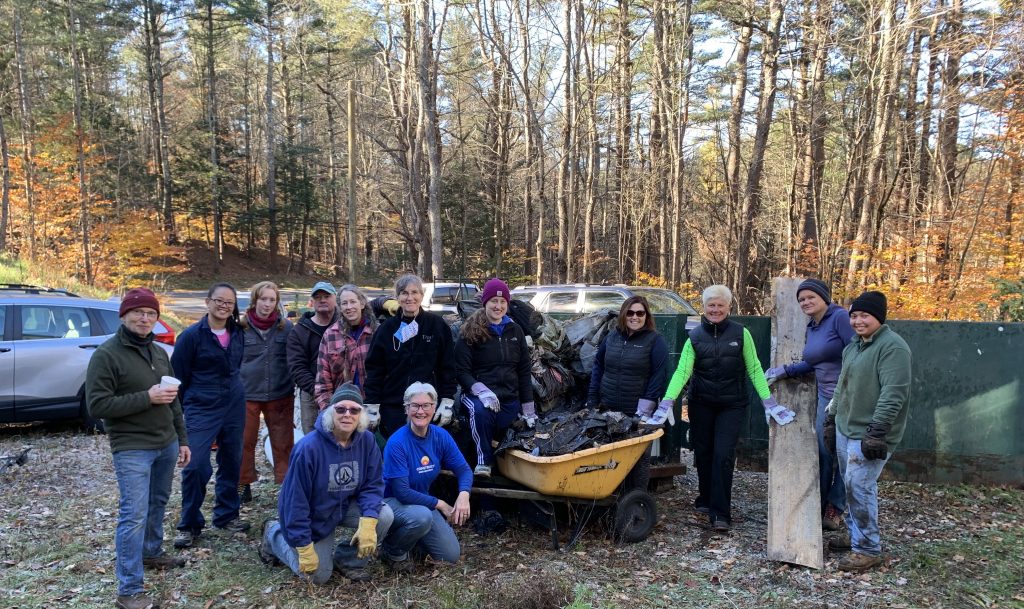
{"points": [[828, 332]]}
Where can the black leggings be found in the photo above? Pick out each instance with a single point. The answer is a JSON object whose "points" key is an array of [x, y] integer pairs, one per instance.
{"points": [[714, 432]]}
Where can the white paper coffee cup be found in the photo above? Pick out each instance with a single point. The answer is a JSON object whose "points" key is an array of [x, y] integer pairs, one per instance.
{"points": [[169, 382]]}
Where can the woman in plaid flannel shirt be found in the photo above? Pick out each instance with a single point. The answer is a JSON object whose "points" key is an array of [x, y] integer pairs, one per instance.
{"points": [[344, 346]]}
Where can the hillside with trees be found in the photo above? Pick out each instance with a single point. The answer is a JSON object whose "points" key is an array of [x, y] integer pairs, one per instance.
{"points": [[874, 144]]}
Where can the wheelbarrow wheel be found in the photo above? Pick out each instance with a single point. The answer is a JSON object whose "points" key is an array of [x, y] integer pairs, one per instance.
{"points": [[640, 476], [636, 513]]}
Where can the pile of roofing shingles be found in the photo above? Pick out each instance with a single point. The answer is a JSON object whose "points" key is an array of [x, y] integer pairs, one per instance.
{"points": [[563, 431]]}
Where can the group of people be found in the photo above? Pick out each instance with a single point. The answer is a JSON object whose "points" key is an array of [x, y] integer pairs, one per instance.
{"points": [[375, 397]]}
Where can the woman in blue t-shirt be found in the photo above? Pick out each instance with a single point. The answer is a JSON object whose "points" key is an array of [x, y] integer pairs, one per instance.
{"points": [[413, 457], [828, 332]]}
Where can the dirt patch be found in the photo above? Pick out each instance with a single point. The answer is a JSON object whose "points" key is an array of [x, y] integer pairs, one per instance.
{"points": [[947, 547]]}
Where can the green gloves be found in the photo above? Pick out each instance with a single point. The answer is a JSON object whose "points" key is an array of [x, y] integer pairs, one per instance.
{"points": [[308, 560], [366, 537]]}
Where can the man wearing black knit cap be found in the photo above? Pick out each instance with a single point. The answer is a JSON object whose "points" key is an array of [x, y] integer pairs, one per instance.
{"points": [[867, 417]]}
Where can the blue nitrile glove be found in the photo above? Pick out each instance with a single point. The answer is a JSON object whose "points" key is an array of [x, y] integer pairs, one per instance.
{"points": [[662, 414], [773, 374], [780, 413]]}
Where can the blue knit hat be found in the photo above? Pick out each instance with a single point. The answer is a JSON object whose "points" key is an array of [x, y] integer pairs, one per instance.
{"points": [[348, 391], [817, 286]]}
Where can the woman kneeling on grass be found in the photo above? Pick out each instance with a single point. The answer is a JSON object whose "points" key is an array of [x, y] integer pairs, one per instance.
{"points": [[413, 457], [331, 503]]}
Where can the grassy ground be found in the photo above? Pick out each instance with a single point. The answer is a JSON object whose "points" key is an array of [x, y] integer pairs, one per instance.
{"points": [[947, 547]]}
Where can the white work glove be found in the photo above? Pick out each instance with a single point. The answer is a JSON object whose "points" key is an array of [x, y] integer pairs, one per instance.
{"points": [[644, 408], [529, 414], [780, 413], [662, 414], [372, 416], [773, 374], [443, 415], [487, 397]]}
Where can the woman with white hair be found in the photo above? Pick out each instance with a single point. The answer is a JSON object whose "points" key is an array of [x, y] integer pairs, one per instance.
{"points": [[719, 355], [413, 457], [413, 346], [331, 505]]}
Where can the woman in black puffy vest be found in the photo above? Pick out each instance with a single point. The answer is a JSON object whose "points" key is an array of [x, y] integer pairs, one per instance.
{"points": [[631, 368], [717, 359]]}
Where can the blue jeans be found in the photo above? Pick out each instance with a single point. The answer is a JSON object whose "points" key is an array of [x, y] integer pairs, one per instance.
{"points": [[833, 490], [330, 553], [423, 528], [861, 478], [144, 481], [194, 478], [485, 424]]}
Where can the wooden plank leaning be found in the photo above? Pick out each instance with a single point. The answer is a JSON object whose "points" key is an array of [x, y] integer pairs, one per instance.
{"points": [[794, 501]]}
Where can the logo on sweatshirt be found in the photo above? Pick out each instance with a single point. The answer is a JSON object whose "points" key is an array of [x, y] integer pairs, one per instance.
{"points": [[424, 460], [343, 477]]}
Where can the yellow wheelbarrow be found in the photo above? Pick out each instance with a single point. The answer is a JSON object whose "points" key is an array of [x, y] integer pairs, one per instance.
{"points": [[612, 475]]}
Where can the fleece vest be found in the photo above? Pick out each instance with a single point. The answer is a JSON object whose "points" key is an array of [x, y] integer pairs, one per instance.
{"points": [[719, 372], [627, 368]]}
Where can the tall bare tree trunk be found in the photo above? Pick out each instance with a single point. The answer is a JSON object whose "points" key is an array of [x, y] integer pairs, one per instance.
{"points": [[5, 183], [428, 106], [211, 125], [752, 189], [270, 184], [83, 189], [733, 162], [155, 74], [28, 142]]}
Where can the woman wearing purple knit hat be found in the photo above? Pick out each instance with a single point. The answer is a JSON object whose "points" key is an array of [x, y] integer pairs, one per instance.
{"points": [[828, 333]]}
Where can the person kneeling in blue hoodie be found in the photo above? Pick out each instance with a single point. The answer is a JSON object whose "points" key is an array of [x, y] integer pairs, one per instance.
{"points": [[331, 505]]}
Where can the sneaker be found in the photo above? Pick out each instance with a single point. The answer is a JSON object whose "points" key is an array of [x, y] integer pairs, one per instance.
{"points": [[264, 551], [703, 509], [832, 519], [136, 601], [163, 561], [721, 525], [245, 493], [483, 471], [186, 538], [857, 562], [839, 543], [236, 525], [357, 575], [404, 566]]}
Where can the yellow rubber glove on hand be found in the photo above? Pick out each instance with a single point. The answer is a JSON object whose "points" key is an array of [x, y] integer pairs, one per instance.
{"points": [[366, 537], [391, 306], [308, 560]]}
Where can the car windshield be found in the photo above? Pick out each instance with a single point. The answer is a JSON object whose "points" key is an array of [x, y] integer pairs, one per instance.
{"points": [[664, 301], [448, 295]]}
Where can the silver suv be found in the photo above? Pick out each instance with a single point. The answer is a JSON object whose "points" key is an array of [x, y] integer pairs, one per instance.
{"points": [[46, 339], [586, 298]]}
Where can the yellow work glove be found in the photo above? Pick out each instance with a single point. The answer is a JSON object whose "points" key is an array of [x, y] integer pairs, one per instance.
{"points": [[308, 560], [365, 537], [391, 306]]}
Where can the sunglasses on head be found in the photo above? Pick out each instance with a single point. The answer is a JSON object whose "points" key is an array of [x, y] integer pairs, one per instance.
{"points": [[632, 313], [355, 410]]}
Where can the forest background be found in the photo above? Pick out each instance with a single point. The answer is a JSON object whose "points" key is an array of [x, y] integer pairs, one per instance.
{"points": [[873, 143]]}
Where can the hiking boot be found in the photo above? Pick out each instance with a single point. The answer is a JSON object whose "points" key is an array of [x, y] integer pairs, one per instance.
{"points": [[163, 561], [832, 519], [720, 525], [857, 562], [358, 574], [186, 538], [265, 552], [703, 509], [245, 493], [839, 543], [483, 471], [136, 601], [403, 567], [236, 525]]}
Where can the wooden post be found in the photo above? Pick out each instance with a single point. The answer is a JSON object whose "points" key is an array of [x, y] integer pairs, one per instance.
{"points": [[794, 499]]}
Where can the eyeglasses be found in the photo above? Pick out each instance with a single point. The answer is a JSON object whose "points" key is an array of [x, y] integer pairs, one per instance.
{"points": [[139, 313], [632, 313], [352, 410], [415, 406], [223, 304]]}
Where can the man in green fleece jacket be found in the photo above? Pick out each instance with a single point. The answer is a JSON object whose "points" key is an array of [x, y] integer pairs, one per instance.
{"points": [[869, 411], [147, 436]]}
